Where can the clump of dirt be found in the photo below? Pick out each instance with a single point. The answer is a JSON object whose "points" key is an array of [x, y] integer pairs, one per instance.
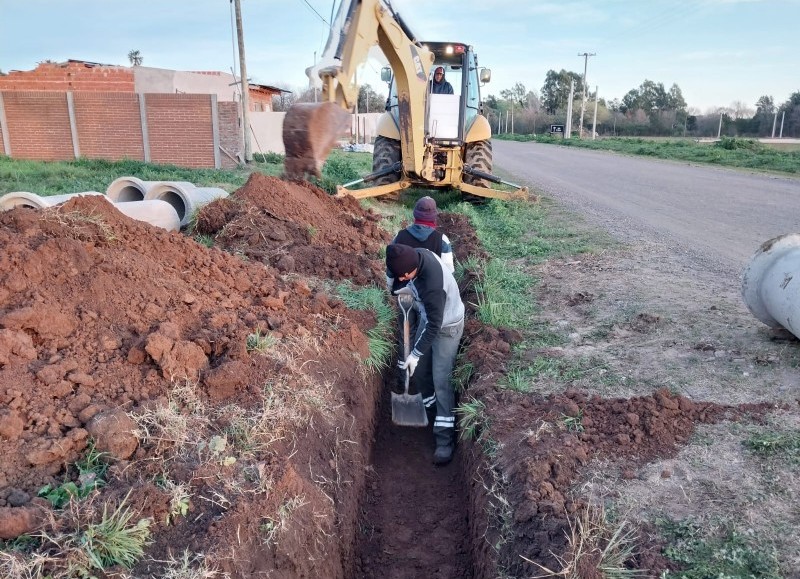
{"points": [[326, 237], [108, 325]]}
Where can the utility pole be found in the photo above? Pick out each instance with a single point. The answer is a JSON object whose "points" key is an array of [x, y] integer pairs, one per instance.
{"points": [[783, 116], [594, 121], [719, 130], [248, 151], [585, 56], [774, 122], [569, 109]]}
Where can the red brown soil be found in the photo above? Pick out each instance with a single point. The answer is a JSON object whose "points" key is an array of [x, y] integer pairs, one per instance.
{"points": [[101, 315]]}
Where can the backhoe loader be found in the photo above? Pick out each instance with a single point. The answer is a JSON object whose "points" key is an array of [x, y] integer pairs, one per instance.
{"points": [[423, 139]]}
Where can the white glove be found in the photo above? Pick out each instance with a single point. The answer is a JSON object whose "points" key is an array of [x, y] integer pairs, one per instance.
{"points": [[409, 364]]}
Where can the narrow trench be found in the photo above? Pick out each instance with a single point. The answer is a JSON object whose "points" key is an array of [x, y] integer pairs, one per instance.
{"points": [[414, 516]]}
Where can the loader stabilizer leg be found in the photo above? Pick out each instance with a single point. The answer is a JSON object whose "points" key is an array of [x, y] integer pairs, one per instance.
{"points": [[310, 130], [520, 193]]}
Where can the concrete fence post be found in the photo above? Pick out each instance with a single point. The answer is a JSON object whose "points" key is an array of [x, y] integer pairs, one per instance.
{"points": [[73, 126], [4, 127], [143, 121], [215, 131]]}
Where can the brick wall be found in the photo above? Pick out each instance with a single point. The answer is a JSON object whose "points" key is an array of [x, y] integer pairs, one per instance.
{"points": [[38, 125], [108, 126], [69, 76]]}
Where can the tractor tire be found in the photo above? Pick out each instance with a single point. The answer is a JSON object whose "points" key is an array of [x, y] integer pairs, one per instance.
{"points": [[386, 152], [479, 156]]}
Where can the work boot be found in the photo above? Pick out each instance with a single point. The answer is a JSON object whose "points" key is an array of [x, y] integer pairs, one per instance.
{"points": [[443, 454]]}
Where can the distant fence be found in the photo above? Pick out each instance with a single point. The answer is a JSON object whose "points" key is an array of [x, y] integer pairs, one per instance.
{"points": [[188, 130]]}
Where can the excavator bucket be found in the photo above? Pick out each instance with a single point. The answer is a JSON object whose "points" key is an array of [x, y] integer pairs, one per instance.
{"points": [[310, 130]]}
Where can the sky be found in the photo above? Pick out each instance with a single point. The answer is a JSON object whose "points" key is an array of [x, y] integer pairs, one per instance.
{"points": [[719, 52]]}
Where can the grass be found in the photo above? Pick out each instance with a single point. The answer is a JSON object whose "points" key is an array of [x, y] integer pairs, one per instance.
{"points": [[91, 476], [381, 344], [599, 545], [718, 552], [260, 343], [771, 444], [728, 152], [471, 419]]}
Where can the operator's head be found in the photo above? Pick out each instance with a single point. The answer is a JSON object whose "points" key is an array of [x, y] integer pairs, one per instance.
{"points": [[438, 74], [425, 211], [401, 260]]}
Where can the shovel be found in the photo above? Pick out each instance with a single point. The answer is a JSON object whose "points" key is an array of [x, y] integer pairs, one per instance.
{"points": [[407, 409]]}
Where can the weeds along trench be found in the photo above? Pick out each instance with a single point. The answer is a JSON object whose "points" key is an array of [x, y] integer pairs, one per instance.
{"points": [[216, 404]]}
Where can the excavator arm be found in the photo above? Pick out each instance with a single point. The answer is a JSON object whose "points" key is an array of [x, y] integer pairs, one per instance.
{"points": [[311, 129]]}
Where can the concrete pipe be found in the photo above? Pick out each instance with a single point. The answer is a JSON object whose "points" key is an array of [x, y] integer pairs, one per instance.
{"points": [[769, 287], [129, 189], [34, 201], [185, 197], [153, 211]]}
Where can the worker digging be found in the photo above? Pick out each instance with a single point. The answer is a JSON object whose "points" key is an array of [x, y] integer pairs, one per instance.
{"points": [[435, 345]]}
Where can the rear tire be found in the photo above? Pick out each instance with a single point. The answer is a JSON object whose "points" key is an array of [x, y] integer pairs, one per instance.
{"points": [[386, 152]]}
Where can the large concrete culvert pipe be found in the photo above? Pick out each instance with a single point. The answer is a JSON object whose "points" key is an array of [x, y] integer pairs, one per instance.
{"points": [[126, 189], [185, 197], [33, 201], [152, 211], [771, 283]]}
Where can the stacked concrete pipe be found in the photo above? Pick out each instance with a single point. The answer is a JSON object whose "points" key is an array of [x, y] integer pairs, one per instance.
{"points": [[155, 212], [185, 197], [129, 189], [771, 283], [33, 201]]}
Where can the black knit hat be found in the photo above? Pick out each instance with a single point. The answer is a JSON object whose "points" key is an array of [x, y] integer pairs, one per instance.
{"points": [[425, 210], [401, 259]]}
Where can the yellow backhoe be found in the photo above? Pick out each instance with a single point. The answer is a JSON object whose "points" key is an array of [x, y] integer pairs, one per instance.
{"points": [[424, 139]]}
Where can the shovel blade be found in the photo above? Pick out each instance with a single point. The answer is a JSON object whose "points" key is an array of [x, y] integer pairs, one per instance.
{"points": [[408, 410]]}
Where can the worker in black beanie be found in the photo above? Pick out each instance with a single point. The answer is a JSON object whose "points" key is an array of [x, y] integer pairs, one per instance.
{"points": [[438, 335]]}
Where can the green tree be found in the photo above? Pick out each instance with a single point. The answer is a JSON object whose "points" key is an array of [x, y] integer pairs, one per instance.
{"points": [[555, 91], [517, 94], [765, 105], [675, 100], [369, 101], [135, 57]]}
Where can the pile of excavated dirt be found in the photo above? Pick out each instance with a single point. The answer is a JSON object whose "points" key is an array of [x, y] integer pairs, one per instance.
{"points": [[118, 332]]}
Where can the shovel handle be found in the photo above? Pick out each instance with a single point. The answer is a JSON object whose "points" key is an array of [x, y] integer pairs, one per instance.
{"points": [[405, 304]]}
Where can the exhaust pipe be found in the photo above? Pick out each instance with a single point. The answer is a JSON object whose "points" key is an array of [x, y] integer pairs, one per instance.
{"points": [[771, 283]]}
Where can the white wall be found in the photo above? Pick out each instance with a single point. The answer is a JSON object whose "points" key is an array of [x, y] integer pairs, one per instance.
{"points": [[267, 130]]}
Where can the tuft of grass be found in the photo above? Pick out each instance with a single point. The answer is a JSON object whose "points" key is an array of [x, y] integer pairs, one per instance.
{"points": [[596, 545], [380, 340], [82, 226], [472, 419], [204, 239], [260, 343], [115, 540], [573, 423]]}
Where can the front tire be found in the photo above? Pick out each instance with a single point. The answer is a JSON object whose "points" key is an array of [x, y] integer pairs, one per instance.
{"points": [[478, 155]]}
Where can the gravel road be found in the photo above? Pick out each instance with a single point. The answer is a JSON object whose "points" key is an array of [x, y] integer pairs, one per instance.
{"points": [[716, 216]]}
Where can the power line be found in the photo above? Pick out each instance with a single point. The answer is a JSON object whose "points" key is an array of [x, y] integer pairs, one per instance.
{"points": [[314, 10]]}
